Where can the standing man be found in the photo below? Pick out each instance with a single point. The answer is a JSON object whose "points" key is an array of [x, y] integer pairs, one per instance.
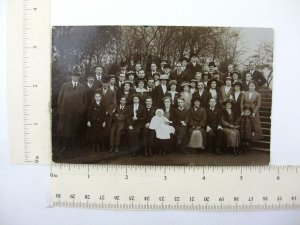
{"points": [[153, 70], [202, 94], [193, 66], [256, 75], [72, 103], [179, 75], [148, 134], [214, 130], [90, 88], [118, 124], [121, 80], [135, 122], [98, 75], [160, 91], [180, 124], [108, 99]]}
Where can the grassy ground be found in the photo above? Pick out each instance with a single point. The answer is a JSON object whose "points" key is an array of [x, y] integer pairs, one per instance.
{"points": [[200, 158]]}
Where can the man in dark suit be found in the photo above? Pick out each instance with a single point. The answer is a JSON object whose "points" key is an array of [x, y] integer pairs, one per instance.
{"points": [[121, 79], [135, 122], [214, 129], [98, 75], [193, 66], [257, 76], [160, 91], [202, 94], [119, 115], [148, 134], [153, 70], [180, 124], [179, 75], [109, 101], [90, 88], [72, 104]]}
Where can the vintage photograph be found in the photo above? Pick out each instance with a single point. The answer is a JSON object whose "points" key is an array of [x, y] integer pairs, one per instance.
{"points": [[161, 95]]}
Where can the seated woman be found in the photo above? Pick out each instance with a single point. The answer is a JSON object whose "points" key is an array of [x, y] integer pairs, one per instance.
{"points": [[196, 123], [231, 132], [252, 99]]}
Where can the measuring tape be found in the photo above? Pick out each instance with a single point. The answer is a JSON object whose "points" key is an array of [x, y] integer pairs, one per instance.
{"points": [[175, 188], [29, 66]]}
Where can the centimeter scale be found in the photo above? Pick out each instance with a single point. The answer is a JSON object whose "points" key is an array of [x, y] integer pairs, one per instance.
{"points": [[175, 188], [109, 186]]}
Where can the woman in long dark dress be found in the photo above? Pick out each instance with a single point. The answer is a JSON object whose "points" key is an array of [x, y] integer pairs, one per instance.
{"points": [[252, 99], [232, 134]]}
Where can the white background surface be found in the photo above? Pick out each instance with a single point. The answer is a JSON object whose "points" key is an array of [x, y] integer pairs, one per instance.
{"points": [[24, 189]]}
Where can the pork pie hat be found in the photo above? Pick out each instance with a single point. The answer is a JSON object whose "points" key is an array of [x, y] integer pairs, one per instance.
{"points": [[238, 84], [228, 100], [163, 77], [127, 82], [228, 78], [105, 79], [248, 107], [194, 54]]}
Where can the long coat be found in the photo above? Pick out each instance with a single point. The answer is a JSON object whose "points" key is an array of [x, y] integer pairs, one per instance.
{"points": [[96, 116], [72, 104], [237, 100], [158, 95]]}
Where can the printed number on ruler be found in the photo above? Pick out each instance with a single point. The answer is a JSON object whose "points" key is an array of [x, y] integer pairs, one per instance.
{"points": [[175, 188]]}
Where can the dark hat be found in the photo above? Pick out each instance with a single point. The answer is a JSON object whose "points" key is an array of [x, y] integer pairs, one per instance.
{"points": [[150, 78], [196, 98], [163, 77], [136, 95], [164, 60], [236, 72], [105, 79], [167, 66], [193, 80], [228, 100], [215, 72], [238, 84], [112, 76], [130, 72], [194, 54], [185, 59], [123, 64], [98, 66], [127, 82], [172, 82], [210, 81], [212, 64], [185, 83], [248, 107], [166, 97]]}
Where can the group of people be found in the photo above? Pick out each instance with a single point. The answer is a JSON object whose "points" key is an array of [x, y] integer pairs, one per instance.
{"points": [[162, 111]]}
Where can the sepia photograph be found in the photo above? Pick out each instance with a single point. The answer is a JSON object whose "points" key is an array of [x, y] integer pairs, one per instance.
{"points": [[161, 95]]}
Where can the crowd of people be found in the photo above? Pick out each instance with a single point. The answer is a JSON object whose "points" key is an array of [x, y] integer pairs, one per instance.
{"points": [[186, 109]]}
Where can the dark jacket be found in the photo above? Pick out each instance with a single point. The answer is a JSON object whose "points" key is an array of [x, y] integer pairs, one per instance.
{"points": [[258, 78], [140, 114]]}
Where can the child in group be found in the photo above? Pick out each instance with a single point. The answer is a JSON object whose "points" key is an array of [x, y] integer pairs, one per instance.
{"points": [[246, 127], [163, 130], [96, 123]]}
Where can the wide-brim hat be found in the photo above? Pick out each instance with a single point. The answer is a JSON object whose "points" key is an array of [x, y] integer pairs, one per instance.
{"points": [[172, 82], [228, 100], [130, 72], [238, 84], [127, 82], [184, 83], [112, 76], [163, 77], [212, 64]]}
